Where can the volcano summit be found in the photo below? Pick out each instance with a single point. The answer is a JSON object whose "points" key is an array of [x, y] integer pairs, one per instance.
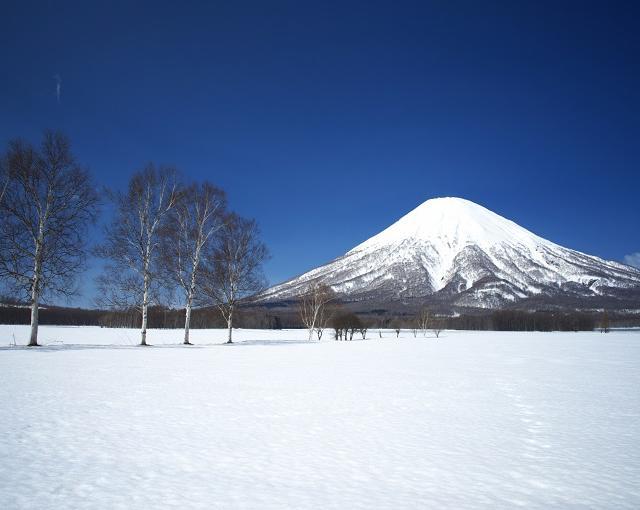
{"points": [[454, 253]]}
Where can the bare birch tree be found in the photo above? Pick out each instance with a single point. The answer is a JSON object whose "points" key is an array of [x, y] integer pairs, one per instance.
{"points": [[415, 325], [424, 320], [326, 313], [313, 309], [436, 327], [130, 276], [232, 270], [49, 201], [197, 217]]}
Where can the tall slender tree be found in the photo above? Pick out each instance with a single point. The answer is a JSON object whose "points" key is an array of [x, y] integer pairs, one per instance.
{"points": [[48, 202], [130, 277], [198, 215], [233, 268]]}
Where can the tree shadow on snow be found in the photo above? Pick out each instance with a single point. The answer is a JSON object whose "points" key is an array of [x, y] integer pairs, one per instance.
{"points": [[62, 347], [266, 342]]}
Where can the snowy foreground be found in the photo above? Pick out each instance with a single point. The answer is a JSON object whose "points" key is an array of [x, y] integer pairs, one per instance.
{"points": [[472, 420]]}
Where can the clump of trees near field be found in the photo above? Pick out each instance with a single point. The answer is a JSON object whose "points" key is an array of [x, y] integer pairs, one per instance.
{"points": [[425, 321], [314, 308], [164, 235], [347, 324]]}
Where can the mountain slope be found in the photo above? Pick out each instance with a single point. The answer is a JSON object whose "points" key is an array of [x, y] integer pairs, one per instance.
{"points": [[458, 253]]}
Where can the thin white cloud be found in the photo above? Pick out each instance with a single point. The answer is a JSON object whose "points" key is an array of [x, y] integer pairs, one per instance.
{"points": [[58, 86], [633, 259]]}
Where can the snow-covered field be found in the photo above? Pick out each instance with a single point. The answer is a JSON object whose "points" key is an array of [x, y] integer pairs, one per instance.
{"points": [[472, 420]]}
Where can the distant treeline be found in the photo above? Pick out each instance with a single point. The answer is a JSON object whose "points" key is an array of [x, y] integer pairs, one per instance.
{"points": [[264, 318], [510, 320], [513, 320], [159, 317]]}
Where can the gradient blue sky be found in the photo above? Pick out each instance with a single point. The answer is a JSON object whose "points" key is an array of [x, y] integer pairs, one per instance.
{"points": [[328, 121]]}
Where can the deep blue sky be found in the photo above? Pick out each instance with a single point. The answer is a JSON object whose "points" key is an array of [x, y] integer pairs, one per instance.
{"points": [[328, 121]]}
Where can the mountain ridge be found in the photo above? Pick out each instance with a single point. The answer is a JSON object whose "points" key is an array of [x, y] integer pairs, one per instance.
{"points": [[460, 254]]}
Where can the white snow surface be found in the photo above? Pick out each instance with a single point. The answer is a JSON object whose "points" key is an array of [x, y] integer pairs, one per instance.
{"points": [[470, 420]]}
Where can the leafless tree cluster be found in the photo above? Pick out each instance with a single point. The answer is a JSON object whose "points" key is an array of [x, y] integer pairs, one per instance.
{"points": [[165, 235], [428, 322], [314, 308], [424, 320], [346, 324], [47, 202]]}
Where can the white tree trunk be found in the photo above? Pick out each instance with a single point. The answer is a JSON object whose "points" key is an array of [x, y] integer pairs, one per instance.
{"points": [[187, 322], [35, 290], [33, 340], [145, 306], [190, 293], [312, 327], [230, 326]]}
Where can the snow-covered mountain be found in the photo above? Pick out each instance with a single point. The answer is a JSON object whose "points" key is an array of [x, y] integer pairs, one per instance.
{"points": [[458, 253]]}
